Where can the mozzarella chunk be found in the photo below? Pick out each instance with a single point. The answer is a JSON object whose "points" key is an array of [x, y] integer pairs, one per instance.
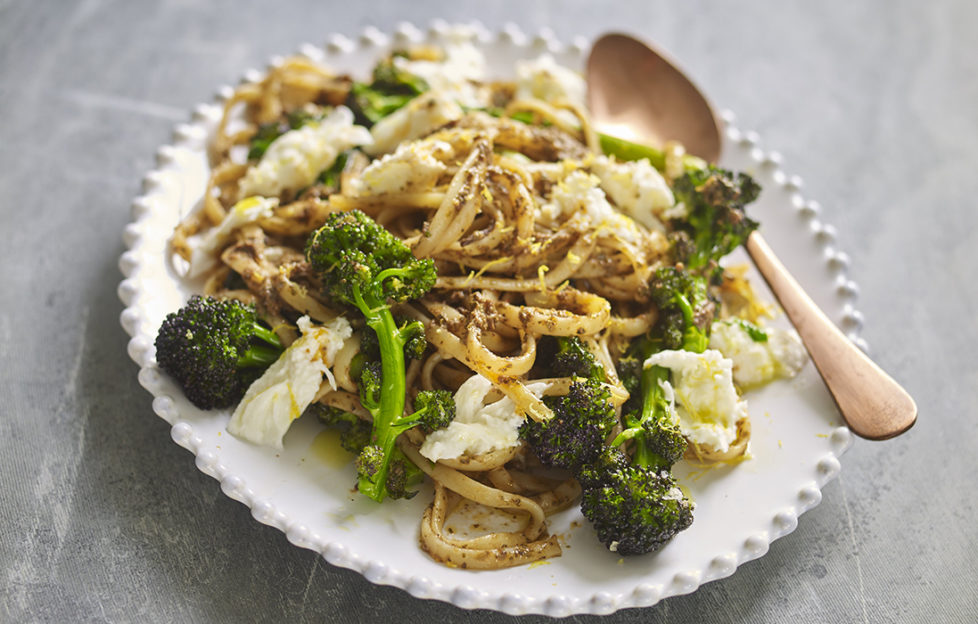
{"points": [[703, 395], [290, 384], [419, 117], [756, 363], [413, 167], [477, 428], [295, 159], [204, 254], [543, 79], [581, 191], [463, 65], [637, 188], [788, 351]]}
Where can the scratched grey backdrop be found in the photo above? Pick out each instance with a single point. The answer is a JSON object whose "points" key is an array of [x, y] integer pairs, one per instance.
{"points": [[102, 518]]}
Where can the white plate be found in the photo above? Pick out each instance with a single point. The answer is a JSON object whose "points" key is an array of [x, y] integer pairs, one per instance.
{"points": [[740, 509]]}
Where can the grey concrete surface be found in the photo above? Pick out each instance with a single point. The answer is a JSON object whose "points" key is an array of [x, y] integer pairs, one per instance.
{"points": [[103, 519]]}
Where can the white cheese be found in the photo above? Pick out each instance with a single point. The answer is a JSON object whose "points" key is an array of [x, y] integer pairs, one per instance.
{"points": [[204, 254], [581, 191], [543, 79], [756, 363], [290, 384], [705, 399], [637, 188], [419, 117], [788, 351], [296, 158], [462, 66], [414, 166], [477, 428]]}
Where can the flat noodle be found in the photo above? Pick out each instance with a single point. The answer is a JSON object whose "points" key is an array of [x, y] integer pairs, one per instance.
{"points": [[479, 554], [461, 204], [494, 550]]}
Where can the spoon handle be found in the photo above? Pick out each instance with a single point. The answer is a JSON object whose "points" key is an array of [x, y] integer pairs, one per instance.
{"points": [[873, 405]]}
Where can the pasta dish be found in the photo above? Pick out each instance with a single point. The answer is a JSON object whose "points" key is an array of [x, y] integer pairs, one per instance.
{"points": [[475, 287]]}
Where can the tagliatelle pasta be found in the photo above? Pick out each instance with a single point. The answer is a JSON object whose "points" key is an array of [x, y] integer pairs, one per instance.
{"points": [[534, 233]]}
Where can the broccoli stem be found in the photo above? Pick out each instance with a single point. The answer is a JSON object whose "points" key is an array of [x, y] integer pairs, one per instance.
{"points": [[653, 410], [261, 354], [392, 394], [627, 150], [391, 341], [267, 335], [694, 339]]}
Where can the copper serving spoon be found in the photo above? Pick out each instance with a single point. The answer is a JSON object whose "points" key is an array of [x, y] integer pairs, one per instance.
{"points": [[635, 93]]}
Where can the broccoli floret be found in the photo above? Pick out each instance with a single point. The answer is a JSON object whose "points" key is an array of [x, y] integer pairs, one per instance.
{"points": [[390, 78], [635, 509], [686, 309], [354, 431], [716, 223], [646, 416], [658, 441], [402, 476], [571, 358], [390, 89], [594, 473], [434, 409], [416, 343], [635, 505], [575, 435], [371, 461], [215, 349], [368, 375], [630, 374], [362, 264]]}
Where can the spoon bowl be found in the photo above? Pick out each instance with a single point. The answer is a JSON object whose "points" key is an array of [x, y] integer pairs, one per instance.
{"points": [[663, 105], [636, 93]]}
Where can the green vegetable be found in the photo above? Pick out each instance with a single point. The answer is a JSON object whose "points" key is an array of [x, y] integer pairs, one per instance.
{"points": [[658, 441], [362, 264], [434, 409], [717, 222], [391, 471], [756, 333], [331, 177], [635, 506], [390, 89], [634, 509], [215, 349], [627, 150], [576, 433], [268, 132], [568, 356], [686, 309]]}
